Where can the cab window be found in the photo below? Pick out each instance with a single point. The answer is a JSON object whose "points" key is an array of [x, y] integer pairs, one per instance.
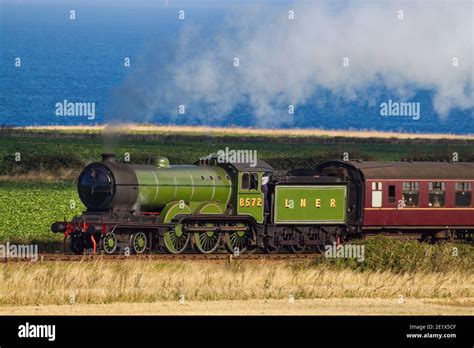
{"points": [[249, 181], [245, 181], [254, 181]]}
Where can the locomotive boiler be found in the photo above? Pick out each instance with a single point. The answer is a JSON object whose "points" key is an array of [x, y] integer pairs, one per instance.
{"points": [[113, 186]]}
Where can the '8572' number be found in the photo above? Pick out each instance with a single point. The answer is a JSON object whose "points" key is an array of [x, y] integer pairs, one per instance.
{"points": [[250, 202]]}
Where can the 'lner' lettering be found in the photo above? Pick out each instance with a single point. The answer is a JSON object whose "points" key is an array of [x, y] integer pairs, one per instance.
{"points": [[318, 203]]}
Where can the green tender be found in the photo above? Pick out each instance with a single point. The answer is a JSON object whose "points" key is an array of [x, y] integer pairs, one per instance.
{"points": [[310, 204]]}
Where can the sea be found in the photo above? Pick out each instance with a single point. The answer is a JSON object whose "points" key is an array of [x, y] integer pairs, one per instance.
{"points": [[64, 60]]}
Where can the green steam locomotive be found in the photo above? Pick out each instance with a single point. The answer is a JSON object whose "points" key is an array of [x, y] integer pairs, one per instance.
{"points": [[207, 207]]}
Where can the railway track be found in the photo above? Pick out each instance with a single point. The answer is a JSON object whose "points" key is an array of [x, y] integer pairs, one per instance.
{"points": [[156, 256]]}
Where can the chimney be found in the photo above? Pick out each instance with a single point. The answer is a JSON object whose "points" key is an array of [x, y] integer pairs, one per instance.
{"points": [[106, 157]]}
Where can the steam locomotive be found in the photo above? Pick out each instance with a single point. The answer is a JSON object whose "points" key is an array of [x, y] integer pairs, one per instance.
{"points": [[212, 206]]}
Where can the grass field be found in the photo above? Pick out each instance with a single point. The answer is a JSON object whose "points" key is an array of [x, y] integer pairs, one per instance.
{"points": [[61, 153], [397, 278], [132, 281]]}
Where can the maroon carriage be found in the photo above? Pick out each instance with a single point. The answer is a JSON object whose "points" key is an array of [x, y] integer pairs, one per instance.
{"points": [[430, 198]]}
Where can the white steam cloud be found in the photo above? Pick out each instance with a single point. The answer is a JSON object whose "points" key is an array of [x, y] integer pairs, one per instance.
{"points": [[284, 61]]}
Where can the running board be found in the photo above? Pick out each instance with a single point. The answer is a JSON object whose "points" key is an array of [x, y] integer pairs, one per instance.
{"points": [[215, 228]]}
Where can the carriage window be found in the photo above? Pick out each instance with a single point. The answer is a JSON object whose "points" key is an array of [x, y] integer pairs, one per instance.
{"points": [[245, 181], [437, 194], [410, 194], [254, 181], [463, 194], [376, 186], [377, 194], [391, 194]]}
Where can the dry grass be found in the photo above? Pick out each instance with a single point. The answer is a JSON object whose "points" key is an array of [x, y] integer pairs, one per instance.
{"points": [[407, 255], [336, 306], [42, 176], [58, 283], [240, 131]]}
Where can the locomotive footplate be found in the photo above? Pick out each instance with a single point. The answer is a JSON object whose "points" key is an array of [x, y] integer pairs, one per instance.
{"points": [[223, 223], [215, 229]]}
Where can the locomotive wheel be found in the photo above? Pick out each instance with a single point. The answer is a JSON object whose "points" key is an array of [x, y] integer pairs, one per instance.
{"points": [[272, 249], [109, 243], [275, 248], [237, 241], [176, 240], [207, 242], [330, 239], [321, 248], [298, 249], [138, 242]]}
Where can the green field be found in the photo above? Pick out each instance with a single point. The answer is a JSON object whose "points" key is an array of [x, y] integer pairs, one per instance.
{"points": [[27, 210], [64, 151]]}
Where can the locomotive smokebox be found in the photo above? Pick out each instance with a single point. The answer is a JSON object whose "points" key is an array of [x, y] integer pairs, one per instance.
{"points": [[107, 184]]}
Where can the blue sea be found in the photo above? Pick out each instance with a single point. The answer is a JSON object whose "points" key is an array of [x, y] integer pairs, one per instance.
{"points": [[82, 60]]}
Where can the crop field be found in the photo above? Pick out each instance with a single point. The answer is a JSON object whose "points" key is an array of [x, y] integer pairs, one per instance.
{"points": [[64, 152], [27, 210]]}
